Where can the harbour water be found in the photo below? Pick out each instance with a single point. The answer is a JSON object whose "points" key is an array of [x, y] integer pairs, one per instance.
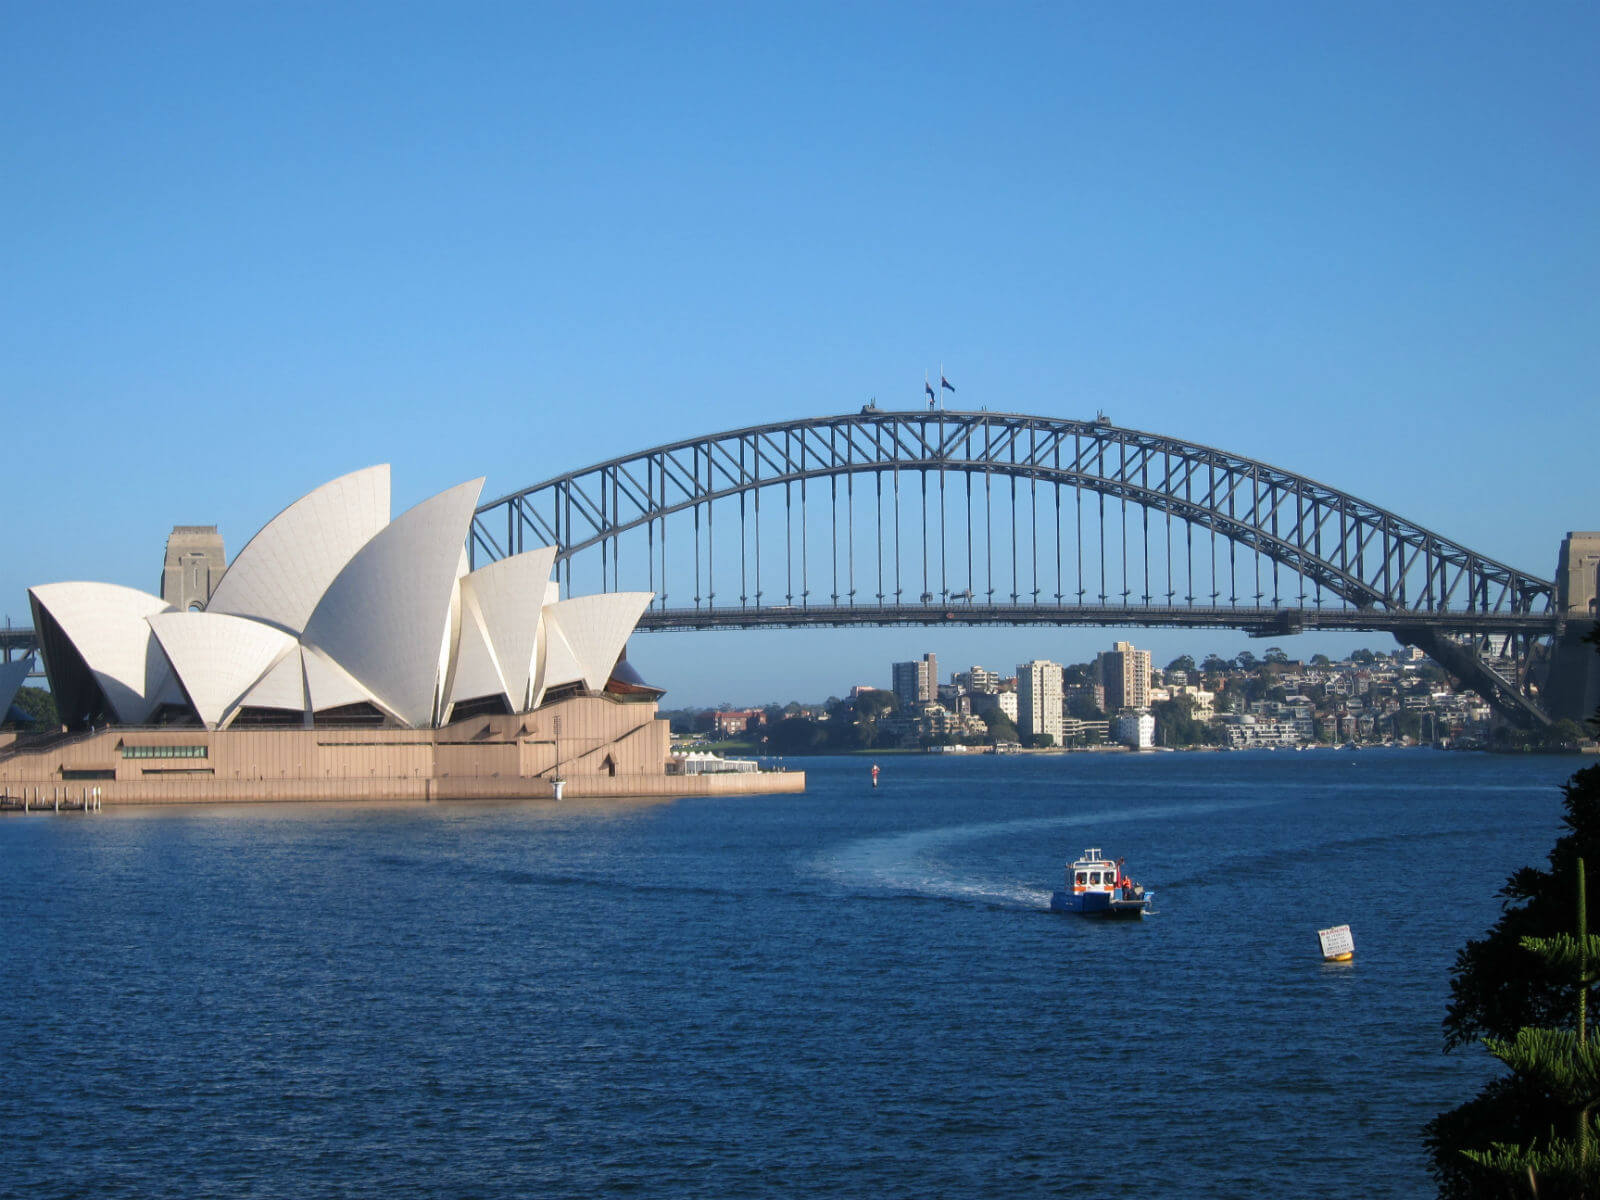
{"points": [[849, 992]]}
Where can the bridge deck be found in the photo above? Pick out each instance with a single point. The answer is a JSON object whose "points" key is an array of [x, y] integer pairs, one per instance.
{"points": [[1267, 621]]}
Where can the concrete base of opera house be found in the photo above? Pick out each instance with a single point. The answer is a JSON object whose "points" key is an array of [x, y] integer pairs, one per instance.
{"points": [[595, 746]]}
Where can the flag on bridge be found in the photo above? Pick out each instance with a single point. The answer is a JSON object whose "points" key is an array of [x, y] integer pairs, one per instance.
{"points": [[928, 387], [945, 383]]}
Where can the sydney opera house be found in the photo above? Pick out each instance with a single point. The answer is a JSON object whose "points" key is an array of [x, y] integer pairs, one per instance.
{"points": [[345, 655]]}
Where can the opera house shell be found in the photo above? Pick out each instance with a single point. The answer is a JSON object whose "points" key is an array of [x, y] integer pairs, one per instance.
{"points": [[335, 613], [345, 655]]}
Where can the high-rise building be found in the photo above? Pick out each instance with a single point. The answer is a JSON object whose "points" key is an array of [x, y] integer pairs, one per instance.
{"points": [[1039, 699], [916, 682], [1127, 677], [977, 679]]}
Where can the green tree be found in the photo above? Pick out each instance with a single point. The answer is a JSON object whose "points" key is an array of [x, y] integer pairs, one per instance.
{"points": [[1498, 988], [1085, 709], [1275, 654], [1184, 662], [1564, 734], [1560, 737], [1566, 1065], [1407, 723], [796, 735], [1001, 727], [1177, 725], [1038, 741], [39, 705], [870, 706], [1321, 660], [859, 726]]}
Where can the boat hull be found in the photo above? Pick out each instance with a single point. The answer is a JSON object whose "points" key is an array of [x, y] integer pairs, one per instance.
{"points": [[1100, 904]]}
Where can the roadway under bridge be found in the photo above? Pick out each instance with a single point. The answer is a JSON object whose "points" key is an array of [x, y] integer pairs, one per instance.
{"points": [[976, 518]]}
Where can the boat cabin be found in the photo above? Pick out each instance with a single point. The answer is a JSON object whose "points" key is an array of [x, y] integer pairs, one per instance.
{"points": [[1093, 872]]}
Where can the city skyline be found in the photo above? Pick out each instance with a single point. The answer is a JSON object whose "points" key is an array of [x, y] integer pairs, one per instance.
{"points": [[1007, 648], [957, 672]]}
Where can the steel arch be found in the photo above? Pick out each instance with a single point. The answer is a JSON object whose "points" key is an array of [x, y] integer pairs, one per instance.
{"points": [[1366, 556]]}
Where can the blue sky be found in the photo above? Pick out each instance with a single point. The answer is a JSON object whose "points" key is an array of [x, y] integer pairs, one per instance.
{"points": [[249, 247]]}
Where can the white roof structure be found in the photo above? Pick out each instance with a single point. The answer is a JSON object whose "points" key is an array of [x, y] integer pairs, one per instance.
{"points": [[283, 687], [476, 673], [219, 658], [285, 569], [560, 665], [105, 623], [332, 606], [594, 630], [330, 686], [388, 636], [500, 607]]}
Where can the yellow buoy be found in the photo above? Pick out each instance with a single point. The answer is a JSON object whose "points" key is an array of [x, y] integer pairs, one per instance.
{"points": [[1337, 944]]}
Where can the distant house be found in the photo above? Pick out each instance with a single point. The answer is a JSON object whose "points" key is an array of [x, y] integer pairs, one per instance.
{"points": [[734, 721]]}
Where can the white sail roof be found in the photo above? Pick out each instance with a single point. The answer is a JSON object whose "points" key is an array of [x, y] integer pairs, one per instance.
{"points": [[284, 686], [331, 605], [330, 686], [386, 614], [219, 658], [105, 623], [284, 570], [508, 596], [477, 672], [558, 665], [595, 629]]}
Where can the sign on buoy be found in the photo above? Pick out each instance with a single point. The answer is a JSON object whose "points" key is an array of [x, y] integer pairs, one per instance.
{"points": [[1337, 944]]}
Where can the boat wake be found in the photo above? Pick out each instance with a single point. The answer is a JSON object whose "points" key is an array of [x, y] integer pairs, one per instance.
{"points": [[915, 863]]}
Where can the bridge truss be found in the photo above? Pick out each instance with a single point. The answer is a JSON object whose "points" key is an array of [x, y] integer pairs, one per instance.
{"points": [[935, 517]]}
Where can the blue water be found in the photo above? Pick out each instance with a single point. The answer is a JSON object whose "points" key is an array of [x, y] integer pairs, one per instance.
{"points": [[850, 992]]}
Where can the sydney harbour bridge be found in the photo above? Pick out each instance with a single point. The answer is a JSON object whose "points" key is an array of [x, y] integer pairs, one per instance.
{"points": [[941, 517], [980, 518]]}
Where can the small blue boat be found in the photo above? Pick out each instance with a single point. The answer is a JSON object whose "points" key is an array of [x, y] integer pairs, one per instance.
{"points": [[1097, 887]]}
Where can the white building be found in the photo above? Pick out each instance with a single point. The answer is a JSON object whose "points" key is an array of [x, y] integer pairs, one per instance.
{"points": [[1006, 702], [1134, 728], [1248, 732], [1039, 699], [334, 613], [1076, 731], [977, 679]]}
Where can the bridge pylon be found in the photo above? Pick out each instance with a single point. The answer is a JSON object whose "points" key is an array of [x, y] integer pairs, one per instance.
{"points": [[1572, 685]]}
